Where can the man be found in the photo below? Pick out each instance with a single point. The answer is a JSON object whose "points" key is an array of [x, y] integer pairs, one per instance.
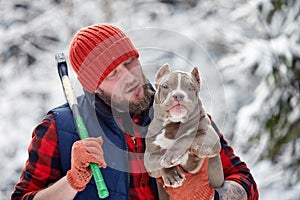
{"points": [[116, 107]]}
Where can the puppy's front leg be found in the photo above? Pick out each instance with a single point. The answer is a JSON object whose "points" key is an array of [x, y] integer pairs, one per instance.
{"points": [[152, 158], [152, 164], [177, 151]]}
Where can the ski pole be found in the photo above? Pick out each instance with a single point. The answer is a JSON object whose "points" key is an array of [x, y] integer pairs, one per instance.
{"points": [[80, 125]]}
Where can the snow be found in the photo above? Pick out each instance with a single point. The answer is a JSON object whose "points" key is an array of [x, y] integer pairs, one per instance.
{"points": [[224, 39]]}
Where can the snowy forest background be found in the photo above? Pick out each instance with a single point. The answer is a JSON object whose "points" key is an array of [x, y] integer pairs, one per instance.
{"points": [[248, 53]]}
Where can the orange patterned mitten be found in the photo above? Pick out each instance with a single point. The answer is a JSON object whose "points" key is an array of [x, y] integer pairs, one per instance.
{"points": [[195, 186], [84, 152]]}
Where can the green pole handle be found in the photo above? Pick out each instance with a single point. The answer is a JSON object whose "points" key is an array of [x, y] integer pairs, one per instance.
{"points": [[80, 125]]}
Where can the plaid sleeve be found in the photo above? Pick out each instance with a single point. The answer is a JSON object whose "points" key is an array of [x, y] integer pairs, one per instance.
{"points": [[43, 165], [235, 169]]}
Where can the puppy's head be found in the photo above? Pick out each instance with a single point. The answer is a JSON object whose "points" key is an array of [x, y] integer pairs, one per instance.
{"points": [[177, 92]]}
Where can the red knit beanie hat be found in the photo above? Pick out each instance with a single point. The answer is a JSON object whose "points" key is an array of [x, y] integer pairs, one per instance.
{"points": [[96, 50]]}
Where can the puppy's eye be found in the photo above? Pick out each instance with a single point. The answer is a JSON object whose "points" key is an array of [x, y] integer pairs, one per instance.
{"points": [[191, 88], [165, 86]]}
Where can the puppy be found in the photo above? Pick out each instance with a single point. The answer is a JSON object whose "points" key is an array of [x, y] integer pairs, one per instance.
{"points": [[180, 132]]}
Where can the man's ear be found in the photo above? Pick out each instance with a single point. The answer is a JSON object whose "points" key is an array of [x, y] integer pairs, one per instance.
{"points": [[195, 73], [163, 70]]}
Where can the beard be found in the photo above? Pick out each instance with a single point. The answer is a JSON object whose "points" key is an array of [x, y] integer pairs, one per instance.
{"points": [[137, 106], [142, 103]]}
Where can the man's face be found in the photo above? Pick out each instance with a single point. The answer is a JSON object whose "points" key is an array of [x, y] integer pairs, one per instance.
{"points": [[126, 88]]}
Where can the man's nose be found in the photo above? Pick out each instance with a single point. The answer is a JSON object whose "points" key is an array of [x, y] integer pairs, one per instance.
{"points": [[127, 74]]}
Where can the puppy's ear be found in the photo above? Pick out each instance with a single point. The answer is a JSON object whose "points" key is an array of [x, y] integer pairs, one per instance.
{"points": [[165, 69], [195, 73]]}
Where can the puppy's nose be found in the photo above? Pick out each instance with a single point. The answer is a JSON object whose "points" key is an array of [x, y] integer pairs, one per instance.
{"points": [[178, 96]]}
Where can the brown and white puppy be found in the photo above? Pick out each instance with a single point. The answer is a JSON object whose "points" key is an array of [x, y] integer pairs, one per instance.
{"points": [[180, 132]]}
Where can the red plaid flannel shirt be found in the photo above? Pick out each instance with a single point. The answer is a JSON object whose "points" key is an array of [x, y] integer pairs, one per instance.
{"points": [[139, 178], [43, 165]]}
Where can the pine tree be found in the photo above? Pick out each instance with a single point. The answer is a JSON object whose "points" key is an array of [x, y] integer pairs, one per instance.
{"points": [[271, 122]]}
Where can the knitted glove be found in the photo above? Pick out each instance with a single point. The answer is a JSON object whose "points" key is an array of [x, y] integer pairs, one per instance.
{"points": [[195, 186], [84, 152]]}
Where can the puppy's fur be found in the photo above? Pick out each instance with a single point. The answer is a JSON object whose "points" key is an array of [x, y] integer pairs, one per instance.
{"points": [[180, 132]]}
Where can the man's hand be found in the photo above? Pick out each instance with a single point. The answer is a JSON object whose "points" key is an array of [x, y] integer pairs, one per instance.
{"points": [[194, 187], [231, 191], [84, 152]]}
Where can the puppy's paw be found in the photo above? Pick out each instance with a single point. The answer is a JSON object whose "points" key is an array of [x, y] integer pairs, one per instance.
{"points": [[173, 177], [170, 159], [203, 151]]}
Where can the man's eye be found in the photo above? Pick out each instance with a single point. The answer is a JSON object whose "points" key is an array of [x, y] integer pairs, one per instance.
{"points": [[127, 63], [112, 74]]}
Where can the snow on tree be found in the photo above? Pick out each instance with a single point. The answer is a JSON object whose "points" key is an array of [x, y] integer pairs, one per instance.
{"points": [[269, 126]]}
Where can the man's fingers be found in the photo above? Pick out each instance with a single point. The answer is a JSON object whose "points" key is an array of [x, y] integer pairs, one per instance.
{"points": [[94, 150], [93, 141], [96, 156]]}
